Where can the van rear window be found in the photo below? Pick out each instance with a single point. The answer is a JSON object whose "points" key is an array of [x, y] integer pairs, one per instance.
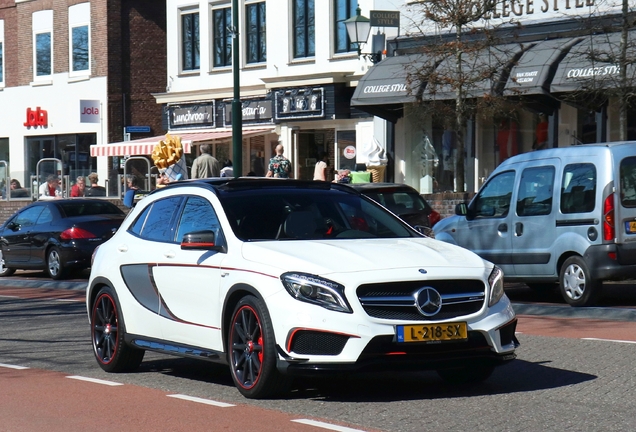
{"points": [[578, 188], [628, 182]]}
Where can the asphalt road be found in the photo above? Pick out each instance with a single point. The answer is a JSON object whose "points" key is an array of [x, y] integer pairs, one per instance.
{"points": [[560, 381]]}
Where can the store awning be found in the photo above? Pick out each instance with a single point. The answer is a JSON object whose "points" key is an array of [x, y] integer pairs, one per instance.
{"points": [[384, 89], [144, 146], [533, 73], [593, 64]]}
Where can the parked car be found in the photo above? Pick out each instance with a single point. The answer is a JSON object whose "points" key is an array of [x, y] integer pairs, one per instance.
{"points": [[564, 215], [57, 235], [404, 201], [276, 277]]}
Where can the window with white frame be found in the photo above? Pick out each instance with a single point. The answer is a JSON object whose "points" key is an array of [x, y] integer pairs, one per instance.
{"points": [[222, 38], [43, 44], [1, 53], [304, 28], [79, 16], [343, 9], [255, 30], [190, 55]]}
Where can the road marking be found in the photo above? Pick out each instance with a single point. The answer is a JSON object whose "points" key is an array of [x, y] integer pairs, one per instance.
{"points": [[610, 340], [12, 366], [326, 425], [200, 400], [94, 380]]}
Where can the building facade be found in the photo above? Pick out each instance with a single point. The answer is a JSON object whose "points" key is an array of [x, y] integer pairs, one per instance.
{"points": [[560, 56], [297, 70], [75, 73]]}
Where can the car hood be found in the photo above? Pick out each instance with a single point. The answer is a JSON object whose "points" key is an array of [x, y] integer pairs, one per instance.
{"points": [[345, 256]]}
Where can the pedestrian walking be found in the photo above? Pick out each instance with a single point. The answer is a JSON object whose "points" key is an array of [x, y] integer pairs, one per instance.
{"points": [[227, 170], [320, 172], [279, 165], [205, 165]]}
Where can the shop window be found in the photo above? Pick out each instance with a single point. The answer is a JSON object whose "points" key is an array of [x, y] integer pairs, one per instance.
{"points": [[222, 44], [255, 31], [343, 9], [304, 29], [346, 150], [190, 41], [79, 19]]}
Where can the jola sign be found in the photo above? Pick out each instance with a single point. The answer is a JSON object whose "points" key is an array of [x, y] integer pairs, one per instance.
{"points": [[36, 118]]}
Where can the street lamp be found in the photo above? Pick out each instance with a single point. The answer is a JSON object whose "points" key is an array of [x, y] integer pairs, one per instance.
{"points": [[358, 29]]}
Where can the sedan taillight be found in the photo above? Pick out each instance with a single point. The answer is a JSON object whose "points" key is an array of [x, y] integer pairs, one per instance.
{"points": [[76, 233]]}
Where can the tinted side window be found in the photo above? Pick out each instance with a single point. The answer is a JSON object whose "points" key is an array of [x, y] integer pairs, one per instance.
{"points": [[159, 223], [628, 182], [535, 191], [198, 215], [494, 198], [138, 225], [45, 217], [578, 188], [28, 217]]}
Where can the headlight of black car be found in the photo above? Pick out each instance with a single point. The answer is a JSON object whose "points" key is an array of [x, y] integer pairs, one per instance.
{"points": [[496, 282], [316, 290]]}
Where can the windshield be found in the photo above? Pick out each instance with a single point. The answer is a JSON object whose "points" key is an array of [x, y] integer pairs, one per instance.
{"points": [[288, 214]]}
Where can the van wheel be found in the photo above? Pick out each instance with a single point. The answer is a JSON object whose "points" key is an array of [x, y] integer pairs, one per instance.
{"points": [[577, 286]]}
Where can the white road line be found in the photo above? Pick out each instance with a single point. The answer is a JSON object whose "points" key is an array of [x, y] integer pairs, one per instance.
{"points": [[610, 340], [94, 380], [12, 366], [327, 426], [200, 400]]}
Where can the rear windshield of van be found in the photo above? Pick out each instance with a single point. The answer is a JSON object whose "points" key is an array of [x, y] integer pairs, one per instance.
{"points": [[628, 182]]}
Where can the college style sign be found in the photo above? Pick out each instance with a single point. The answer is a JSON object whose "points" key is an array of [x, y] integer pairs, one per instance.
{"points": [[193, 115]]}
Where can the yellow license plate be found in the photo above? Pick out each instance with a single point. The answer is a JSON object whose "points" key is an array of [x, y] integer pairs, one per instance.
{"points": [[432, 332], [632, 227]]}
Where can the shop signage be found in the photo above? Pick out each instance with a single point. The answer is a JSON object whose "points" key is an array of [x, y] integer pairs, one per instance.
{"points": [[137, 129], [526, 77], [36, 118], [385, 88], [197, 115], [89, 111], [349, 152], [254, 111], [589, 72], [300, 103], [385, 18]]}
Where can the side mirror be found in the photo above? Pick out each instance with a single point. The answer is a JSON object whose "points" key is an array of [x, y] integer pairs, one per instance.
{"points": [[13, 226], [201, 240], [461, 209]]}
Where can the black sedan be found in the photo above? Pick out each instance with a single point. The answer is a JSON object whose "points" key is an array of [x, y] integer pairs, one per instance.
{"points": [[404, 201], [57, 235]]}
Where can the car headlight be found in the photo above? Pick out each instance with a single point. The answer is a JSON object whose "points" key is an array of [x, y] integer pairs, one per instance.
{"points": [[316, 290], [496, 282]]}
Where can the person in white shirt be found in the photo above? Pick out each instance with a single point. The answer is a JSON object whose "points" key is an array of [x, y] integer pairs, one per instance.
{"points": [[320, 172], [227, 170]]}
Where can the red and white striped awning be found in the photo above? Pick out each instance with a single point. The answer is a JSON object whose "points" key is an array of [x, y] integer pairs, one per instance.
{"points": [[144, 146]]}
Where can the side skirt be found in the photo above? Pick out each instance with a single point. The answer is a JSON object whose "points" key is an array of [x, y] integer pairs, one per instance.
{"points": [[174, 349]]}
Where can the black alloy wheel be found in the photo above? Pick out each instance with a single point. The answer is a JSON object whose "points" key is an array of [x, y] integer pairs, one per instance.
{"points": [[107, 334], [252, 350]]}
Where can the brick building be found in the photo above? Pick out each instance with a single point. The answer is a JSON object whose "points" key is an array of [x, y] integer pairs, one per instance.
{"points": [[74, 73]]}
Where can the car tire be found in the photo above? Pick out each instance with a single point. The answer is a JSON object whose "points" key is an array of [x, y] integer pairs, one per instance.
{"points": [[54, 266], [252, 350], [576, 284], [5, 271], [467, 374], [108, 335]]}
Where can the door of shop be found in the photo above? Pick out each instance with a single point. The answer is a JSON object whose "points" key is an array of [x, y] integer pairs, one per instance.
{"points": [[310, 145]]}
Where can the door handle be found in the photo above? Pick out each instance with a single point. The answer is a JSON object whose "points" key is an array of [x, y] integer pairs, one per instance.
{"points": [[122, 248], [518, 229], [169, 254], [502, 227]]}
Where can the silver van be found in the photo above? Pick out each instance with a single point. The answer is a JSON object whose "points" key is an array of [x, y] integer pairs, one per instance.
{"points": [[563, 215]]}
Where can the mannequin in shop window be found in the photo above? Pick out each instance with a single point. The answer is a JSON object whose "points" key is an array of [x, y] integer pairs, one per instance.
{"points": [[541, 133], [507, 139]]}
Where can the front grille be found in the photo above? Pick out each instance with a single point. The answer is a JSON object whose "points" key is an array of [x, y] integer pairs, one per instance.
{"points": [[318, 343], [396, 300]]}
